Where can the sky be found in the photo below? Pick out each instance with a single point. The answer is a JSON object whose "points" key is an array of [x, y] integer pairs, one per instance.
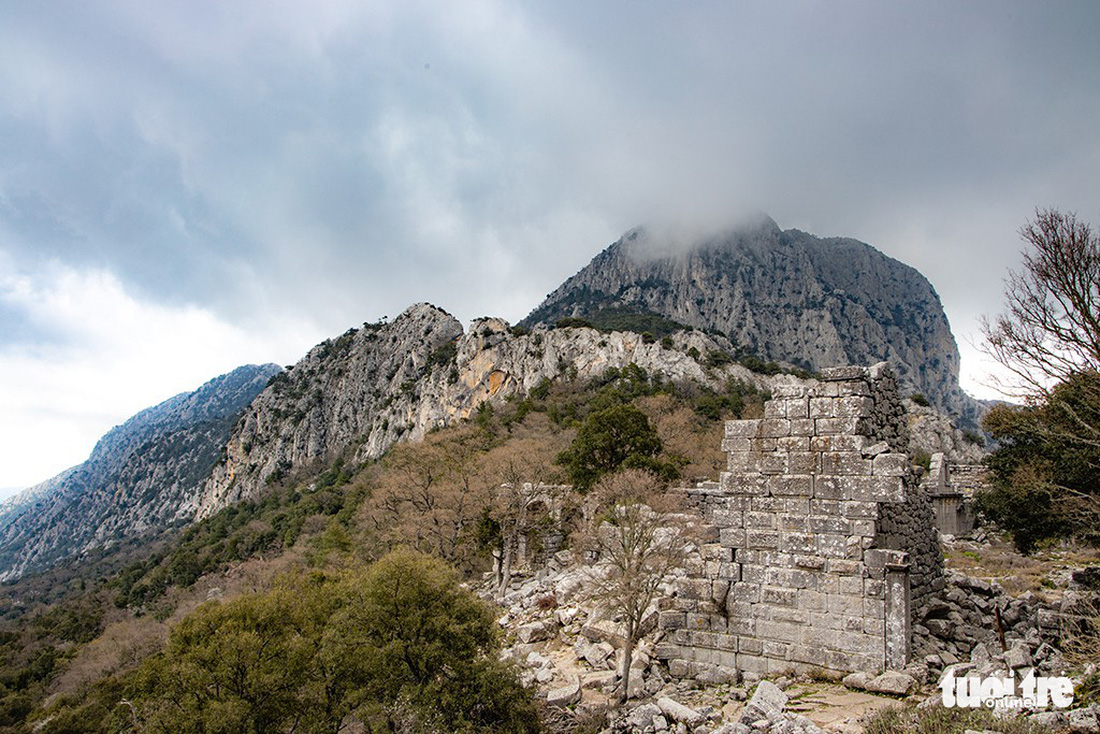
{"points": [[187, 187]]}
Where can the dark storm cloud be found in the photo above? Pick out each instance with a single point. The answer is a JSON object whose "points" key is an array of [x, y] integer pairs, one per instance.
{"points": [[342, 161]]}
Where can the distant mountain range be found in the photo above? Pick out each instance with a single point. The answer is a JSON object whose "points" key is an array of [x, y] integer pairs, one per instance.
{"points": [[751, 294], [136, 480]]}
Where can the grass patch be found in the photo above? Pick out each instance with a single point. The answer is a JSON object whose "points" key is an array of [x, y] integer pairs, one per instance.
{"points": [[939, 720]]}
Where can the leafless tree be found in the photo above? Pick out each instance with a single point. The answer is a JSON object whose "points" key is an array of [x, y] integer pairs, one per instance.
{"points": [[1051, 328], [639, 546]]}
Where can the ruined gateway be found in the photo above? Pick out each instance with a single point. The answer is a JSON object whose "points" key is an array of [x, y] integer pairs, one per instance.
{"points": [[823, 546]]}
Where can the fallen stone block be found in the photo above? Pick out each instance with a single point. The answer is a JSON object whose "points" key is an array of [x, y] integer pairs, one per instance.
{"points": [[767, 702], [679, 712], [892, 682], [858, 681], [534, 632], [641, 717], [565, 696]]}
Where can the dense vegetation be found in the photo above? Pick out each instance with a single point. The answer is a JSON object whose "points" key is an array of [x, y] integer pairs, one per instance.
{"points": [[1046, 468], [133, 630]]}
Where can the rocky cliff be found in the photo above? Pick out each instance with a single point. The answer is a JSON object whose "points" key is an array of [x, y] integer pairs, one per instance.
{"points": [[780, 295], [134, 481], [383, 383]]}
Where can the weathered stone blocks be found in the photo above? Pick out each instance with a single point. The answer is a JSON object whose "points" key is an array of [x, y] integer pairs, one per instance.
{"points": [[829, 540]]}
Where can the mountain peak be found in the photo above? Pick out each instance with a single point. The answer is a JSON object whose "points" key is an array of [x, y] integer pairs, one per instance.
{"points": [[779, 295]]}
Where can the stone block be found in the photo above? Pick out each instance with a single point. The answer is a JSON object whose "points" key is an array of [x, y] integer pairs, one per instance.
{"points": [[758, 520], [793, 523], [845, 605], [845, 463], [671, 620], [736, 444], [727, 642], [774, 428], [767, 504], [779, 631], [811, 600], [843, 373], [744, 483], [788, 614], [774, 463], [775, 409], [776, 650], [798, 408], [843, 567], [743, 462], [749, 644], [832, 546], [809, 561], [732, 537], [782, 597], [854, 406], [791, 485], [857, 509], [864, 528], [891, 465], [742, 428], [796, 506], [836, 426], [804, 462], [745, 629], [799, 543], [822, 408], [793, 443], [802, 427], [760, 539], [826, 524]]}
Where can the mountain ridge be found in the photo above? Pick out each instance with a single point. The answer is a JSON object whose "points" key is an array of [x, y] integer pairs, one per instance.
{"points": [[133, 479], [780, 295]]}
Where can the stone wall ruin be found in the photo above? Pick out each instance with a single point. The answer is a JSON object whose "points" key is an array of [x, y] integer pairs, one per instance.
{"points": [[825, 547]]}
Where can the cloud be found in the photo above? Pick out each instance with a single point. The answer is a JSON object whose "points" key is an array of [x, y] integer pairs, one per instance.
{"points": [[327, 163], [108, 356]]}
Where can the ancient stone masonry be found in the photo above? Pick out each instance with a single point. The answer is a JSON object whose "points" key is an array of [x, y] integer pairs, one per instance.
{"points": [[825, 547], [951, 489]]}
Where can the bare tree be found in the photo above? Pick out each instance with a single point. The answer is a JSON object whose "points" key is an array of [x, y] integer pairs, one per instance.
{"points": [[639, 546], [1051, 329], [516, 470]]}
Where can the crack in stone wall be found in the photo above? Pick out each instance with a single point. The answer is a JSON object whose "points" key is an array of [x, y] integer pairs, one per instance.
{"points": [[826, 546]]}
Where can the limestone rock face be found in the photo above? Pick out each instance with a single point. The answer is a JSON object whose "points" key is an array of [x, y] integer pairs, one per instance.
{"points": [[783, 295], [386, 383], [134, 481]]}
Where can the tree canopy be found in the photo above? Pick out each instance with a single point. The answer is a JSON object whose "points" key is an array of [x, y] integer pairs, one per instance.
{"points": [[401, 646], [607, 440]]}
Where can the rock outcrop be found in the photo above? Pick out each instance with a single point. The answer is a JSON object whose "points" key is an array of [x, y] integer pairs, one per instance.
{"points": [[133, 482], [391, 382], [782, 295]]}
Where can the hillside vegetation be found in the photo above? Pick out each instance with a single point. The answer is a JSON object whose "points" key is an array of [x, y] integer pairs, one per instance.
{"points": [[90, 641]]}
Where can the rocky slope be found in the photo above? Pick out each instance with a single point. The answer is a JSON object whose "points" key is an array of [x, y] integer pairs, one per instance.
{"points": [[133, 482], [781, 295], [384, 383]]}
